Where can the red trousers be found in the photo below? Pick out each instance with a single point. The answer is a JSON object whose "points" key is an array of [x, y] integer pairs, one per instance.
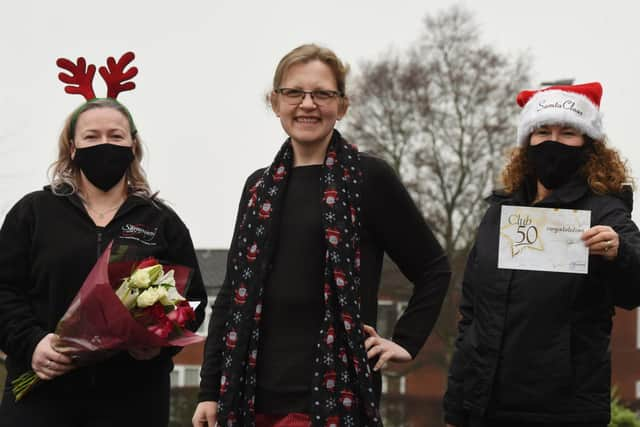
{"points": [[288, 420]]}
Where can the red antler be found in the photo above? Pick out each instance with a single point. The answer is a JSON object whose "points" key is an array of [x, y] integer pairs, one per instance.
{"points": [[79, 81], [115, 75]]}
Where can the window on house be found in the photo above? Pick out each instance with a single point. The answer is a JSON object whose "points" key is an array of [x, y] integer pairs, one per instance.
{"points": [[191, 376], [387, 316], [175, 377], [394, 385], [185, 376]]}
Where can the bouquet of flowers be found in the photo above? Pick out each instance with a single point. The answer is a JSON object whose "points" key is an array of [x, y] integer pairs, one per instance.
{"points": [[122, 305]]}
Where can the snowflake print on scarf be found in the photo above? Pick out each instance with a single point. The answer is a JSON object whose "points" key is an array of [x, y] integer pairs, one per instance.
{"points": [[341, 374]]}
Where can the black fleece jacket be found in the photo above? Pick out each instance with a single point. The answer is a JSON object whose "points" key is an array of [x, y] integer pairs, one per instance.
{"points": [[48, 245]]}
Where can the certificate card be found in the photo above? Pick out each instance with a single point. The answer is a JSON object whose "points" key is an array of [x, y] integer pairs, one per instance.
{"points": [[543, 239]]}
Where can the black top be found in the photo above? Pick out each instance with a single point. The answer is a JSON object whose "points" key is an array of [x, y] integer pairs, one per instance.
{"points": [[534, 346], [48, 245], [293, 299], [294, 288]]}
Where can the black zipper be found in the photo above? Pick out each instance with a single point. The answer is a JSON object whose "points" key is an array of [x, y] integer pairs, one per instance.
{"points": [[92, 369], [99, 243]]}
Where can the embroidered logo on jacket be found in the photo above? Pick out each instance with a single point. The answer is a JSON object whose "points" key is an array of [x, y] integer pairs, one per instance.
{"points": [[138, 232]]}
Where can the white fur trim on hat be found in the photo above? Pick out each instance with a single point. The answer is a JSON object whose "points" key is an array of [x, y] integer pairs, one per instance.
{"points": [[551, 107]]}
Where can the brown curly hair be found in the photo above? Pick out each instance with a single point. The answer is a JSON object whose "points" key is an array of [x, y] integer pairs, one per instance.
{"points": [[605, 170]]}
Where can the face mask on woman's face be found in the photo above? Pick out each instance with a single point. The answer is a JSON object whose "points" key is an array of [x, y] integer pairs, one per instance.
{"points": [[104, 165], [555, 163]]}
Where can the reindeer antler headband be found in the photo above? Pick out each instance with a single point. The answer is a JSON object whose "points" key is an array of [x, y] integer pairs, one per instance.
{"points": [[79, 81]]}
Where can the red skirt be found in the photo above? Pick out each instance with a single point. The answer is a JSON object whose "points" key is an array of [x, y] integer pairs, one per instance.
{"points": [[288, 420]]}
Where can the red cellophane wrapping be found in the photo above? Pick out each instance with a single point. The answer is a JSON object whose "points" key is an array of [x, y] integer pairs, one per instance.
{"points": [[97, 322]]}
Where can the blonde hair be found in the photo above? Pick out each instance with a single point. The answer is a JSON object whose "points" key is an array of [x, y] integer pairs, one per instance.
{"points": [[604, 170], [65, 174], [310, 52]]}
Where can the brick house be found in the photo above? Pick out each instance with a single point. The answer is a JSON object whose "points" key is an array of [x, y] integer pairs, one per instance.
{"points": [[186, 372], [418, 388], [625, 350], [412, 393]]}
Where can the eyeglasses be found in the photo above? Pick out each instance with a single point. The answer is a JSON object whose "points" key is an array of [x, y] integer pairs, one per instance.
{"points": [[296, 96]]}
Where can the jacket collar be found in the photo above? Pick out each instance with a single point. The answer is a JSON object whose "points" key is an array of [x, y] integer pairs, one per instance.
{"points": [[129, 204], [567, 194]]}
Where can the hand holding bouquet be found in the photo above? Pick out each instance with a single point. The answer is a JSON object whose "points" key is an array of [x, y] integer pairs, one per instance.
{"points": [[122, 305]]}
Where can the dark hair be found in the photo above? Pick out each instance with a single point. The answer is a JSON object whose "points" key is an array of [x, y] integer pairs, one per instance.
{"points": [[604, 170]]}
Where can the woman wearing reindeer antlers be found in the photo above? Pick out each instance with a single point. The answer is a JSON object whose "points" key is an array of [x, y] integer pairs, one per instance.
{"points": [[293, 341], [555, 253], [49, 242]]}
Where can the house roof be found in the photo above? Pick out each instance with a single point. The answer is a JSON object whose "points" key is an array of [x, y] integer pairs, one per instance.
{"points": [[213, 265]]}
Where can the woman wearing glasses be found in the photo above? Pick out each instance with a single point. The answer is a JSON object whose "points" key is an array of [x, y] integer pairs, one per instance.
{"points": [[293, 327]]}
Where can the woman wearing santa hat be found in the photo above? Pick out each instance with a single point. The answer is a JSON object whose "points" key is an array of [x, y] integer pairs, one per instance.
{"points": [[306, 256], [533, 346]]}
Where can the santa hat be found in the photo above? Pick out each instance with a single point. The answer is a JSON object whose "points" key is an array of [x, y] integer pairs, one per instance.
{"points": [[577, 106]]}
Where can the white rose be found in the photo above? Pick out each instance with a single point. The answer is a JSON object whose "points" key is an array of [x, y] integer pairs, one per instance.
{"points": [[127, 295], [166, 279], [172, 297], [144, 277], [150, 296]]}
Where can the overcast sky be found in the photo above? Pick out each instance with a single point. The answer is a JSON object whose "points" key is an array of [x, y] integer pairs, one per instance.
{"points": [[206, 65]]}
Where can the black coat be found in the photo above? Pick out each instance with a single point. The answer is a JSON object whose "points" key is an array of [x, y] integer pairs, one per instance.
{"points": [[534, 346], [48, 245]]}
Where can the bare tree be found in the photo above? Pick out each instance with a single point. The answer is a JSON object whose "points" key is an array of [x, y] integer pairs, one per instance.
{"points": [[442, 113]]}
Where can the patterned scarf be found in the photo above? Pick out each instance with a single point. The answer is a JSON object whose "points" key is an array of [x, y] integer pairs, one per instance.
{"points": [[341, 385]]}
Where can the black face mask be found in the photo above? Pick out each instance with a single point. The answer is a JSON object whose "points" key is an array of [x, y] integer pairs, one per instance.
{"points": [[555, 163], [104, 165]]}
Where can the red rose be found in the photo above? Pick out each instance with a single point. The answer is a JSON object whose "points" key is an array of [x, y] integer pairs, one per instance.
{"points": [[156, 311], [162, 329], [147, 262], [182, 314]]}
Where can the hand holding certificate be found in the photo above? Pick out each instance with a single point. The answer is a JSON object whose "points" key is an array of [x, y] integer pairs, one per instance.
{"points": [[543, 239]]}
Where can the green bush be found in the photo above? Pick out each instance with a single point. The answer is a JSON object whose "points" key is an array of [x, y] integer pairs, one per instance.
{"points": [[183, 403], [620, 415]]}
